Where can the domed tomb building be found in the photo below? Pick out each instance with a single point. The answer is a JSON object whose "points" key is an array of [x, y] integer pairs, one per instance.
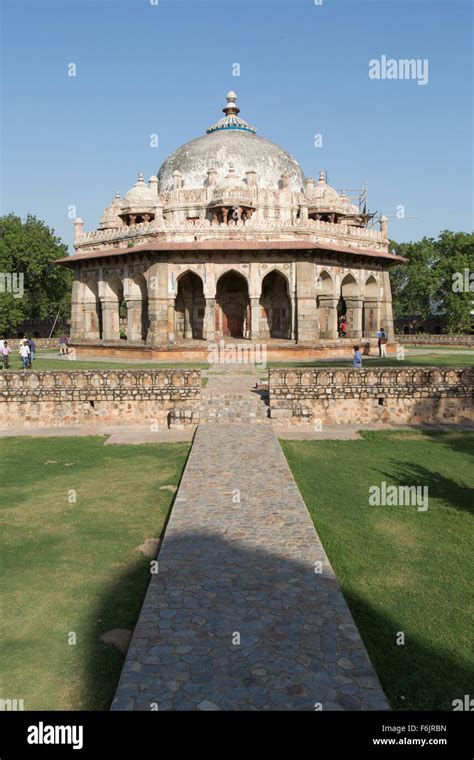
{"points": [[229, 240]]}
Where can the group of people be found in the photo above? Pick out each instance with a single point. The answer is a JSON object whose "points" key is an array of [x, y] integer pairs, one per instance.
{"points": [[382, 341], [26, 349]]}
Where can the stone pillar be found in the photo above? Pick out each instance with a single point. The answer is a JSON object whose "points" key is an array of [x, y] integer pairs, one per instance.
{"points": [[171, 316], [110, 320], [91, 320], [209, 319], [293, 317], [354, 317], [188, 318], [306, 302], [134, 320], [77, 313], [254, 318], [158, 304], [371, 317], [328, 327], [386, 313]]}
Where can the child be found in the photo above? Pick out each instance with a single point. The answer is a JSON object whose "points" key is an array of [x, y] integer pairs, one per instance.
{"points": [[357, 361]]}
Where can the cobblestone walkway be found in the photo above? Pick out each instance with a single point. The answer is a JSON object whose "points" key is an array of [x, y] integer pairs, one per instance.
{"points": [[237, 618]]}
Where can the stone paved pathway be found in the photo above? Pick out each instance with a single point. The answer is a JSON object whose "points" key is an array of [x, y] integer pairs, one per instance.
{"points": [[237, 618]]}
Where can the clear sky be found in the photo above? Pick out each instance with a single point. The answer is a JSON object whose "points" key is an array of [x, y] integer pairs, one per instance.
{"points": [[164, 68]]}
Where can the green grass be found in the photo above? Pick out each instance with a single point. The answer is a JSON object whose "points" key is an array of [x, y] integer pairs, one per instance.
{"points": [[400, 569], [41, 364], [436, 347], [432, 360], [75, 567]]}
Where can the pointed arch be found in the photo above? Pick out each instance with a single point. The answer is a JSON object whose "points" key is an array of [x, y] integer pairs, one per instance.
{"points": [[232, 312], [275, 306], [350, 288], [189, 306]]}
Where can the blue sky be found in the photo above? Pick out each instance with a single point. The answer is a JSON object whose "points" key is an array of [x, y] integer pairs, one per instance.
{"points": [[165, 69]]}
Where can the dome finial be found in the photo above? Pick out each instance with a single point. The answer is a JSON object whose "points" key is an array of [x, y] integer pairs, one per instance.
{"points": [[231, 106], [231, 119]]}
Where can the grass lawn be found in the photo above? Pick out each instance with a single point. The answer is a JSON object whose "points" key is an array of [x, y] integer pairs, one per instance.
{"points": [[436, 347], [400, 569], [41, 363], [432, 360], [75, 567]]}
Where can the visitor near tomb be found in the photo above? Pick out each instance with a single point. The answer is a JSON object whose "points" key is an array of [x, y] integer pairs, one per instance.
{"points": [[63, 344], [357, 360], [32, 347], [6, 351], [382, 342], [24, 352]]}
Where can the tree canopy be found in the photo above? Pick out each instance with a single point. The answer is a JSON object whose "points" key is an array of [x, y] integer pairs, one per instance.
{"points": [[438, 271], [28, 249]]}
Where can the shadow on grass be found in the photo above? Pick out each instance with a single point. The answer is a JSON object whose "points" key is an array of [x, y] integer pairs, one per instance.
{"points": [[439, 486], [283, 620]]}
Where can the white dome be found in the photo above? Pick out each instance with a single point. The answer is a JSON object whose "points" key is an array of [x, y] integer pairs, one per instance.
{"points": [[140, 196], [230, 141]]}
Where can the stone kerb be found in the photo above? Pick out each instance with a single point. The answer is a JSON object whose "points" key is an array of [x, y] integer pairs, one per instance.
{"points": [[389, 394]]}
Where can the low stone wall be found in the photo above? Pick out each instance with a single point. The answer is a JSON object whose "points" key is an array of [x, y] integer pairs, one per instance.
{"points": [[51, 343], [436, 340], [387, 395], [201, 351], [98, 397]]}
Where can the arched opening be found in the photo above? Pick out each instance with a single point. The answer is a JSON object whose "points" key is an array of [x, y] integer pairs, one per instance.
{"points": [[137, 309], [328, 317], [114, 310], [189, 307], [350, 307], [232, 306], [275, 303], [371, 307], [92, 311]]}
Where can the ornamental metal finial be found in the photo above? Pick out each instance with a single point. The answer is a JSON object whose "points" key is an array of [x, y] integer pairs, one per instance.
{"points": [[231, 119]]}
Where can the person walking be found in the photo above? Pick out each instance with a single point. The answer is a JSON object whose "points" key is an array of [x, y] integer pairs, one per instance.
{"points": [[357, 360], [32, 347], [24, 354], [2, 342], [382, 342], [6, 351]]}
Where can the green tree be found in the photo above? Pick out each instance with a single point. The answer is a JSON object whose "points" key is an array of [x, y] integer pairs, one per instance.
{"points": [[415, 283], [28, 249], [455, 270], [437, 272]]}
